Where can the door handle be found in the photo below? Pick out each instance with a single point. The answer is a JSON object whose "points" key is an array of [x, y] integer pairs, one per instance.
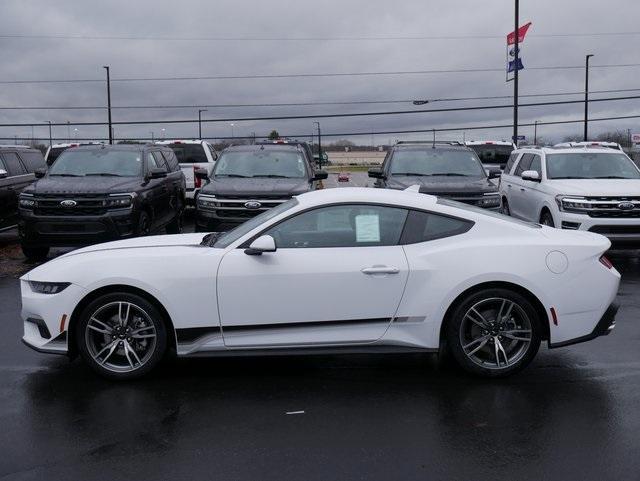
{"points": [[509, 185], [522, 190], [373, 270]]}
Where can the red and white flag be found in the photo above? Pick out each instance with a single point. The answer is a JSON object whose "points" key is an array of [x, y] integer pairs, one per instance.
{"points": [[522, 31]]}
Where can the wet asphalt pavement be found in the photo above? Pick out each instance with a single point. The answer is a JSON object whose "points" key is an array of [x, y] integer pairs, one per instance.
{"points": [[573, 414]]}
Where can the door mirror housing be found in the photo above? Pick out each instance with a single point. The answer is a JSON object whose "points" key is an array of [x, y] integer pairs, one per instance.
{"points": [[39, 173], [264, 243], [157, 173], [376, 173], [320, 175], [494, 173], [201, 174], [531, 175], [3, 174]]}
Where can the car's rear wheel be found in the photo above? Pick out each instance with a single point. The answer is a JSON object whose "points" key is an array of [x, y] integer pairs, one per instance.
{"points": [[121, 335], [35, 253], [494, 332], [547, 219]]}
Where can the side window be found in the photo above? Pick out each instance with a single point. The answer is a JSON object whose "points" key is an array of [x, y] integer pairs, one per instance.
{"points": [[426, 226], [160, 162], [151, 162], [14, 166], [170, 159], [341, 226], [524, 164], [214, 154], [32, 160], [536, 164], [510, 162]]}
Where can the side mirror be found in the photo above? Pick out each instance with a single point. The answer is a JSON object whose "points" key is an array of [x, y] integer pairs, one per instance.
{"points": [[3, 174], [201, 174], [39, 173], [264, 243], [494, 173], [531, 175], [157, 173], [376, 173], [503, 166], [320, 175]]}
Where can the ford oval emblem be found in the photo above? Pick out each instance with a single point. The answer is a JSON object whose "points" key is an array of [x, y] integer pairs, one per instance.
{"points": [[68, 203], [252, 204], [626, 206]]}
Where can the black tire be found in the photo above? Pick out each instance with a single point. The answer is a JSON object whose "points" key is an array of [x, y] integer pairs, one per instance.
{"points": [[35, 253], [144, 224], [547, 219], [175, 226], [523, 352], [505, 207], [88, 341]]}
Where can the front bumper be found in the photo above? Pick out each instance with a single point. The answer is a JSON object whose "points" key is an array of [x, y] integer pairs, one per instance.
{"points": [[620, 231], [210, 221], [46, 231], [605, 325]]}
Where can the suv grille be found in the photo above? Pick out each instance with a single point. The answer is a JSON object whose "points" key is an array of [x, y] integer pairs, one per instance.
{"points": [[609, 207], [236, 206], [473, 198], [50, 205]]}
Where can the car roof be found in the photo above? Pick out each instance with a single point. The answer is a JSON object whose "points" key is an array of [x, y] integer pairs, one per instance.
{"points": [[18, 147], [254, 147], [130, 147], [424, 145], [489, 142], [568, 150], [180, 141], [407, 198]]}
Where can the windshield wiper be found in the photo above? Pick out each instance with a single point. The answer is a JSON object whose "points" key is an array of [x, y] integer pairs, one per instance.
{"points": [[569, 177], [103, 174], [272, 176], [233, 175], [611, 177], [66, 175], [410, 174], [449, 174]]}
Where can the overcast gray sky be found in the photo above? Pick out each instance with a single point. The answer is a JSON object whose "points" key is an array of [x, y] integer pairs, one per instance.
{"points": [[44, 59]]}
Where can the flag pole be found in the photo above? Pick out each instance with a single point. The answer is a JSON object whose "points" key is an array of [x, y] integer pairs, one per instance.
{"points": [[515, 75]]}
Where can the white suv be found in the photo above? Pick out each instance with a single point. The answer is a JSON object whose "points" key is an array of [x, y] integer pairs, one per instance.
{"points": [[193, 155], [596, 189]]}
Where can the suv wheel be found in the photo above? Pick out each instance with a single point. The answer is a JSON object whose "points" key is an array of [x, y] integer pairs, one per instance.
{"points": [[175, 226], [547, 219], [121, 335], [494, 333], [144, 224], [35, 253]]}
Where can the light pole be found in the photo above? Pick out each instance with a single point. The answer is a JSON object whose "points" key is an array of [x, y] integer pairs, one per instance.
{"points": [[200, 122], [152, 137], [106, 67], [515, 74], [535, 132], [319, 145], [68, 131], [75, 134], [232, 136], [586, 97], [50, 139], [163, 133]]}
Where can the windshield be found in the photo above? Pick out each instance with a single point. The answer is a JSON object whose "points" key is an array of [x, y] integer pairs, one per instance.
{"points": [[228, 238], [589, 165], [261, 163], [432, 162], [492, 154], [99, 162], [189, 153]]}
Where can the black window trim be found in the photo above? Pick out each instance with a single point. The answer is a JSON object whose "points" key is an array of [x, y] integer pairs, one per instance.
{"points": [[20, 161], [470, 223]]}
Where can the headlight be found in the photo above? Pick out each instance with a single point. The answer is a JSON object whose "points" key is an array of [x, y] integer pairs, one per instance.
{"points": [[490, 200], [48, 287], [573, 204], [207, 202], [27, 202], [119, 201]]}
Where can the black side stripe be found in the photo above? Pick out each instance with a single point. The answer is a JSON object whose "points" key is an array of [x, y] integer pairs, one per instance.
{"points": [[190, 334], [290, 325]]}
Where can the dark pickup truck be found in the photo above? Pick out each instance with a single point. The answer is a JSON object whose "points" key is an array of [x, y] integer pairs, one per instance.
{"points": [[97, 193], [443, 169], [249, 179]]}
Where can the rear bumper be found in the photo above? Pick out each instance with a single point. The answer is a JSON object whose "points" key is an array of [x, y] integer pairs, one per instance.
{"points": [[605, 325]]}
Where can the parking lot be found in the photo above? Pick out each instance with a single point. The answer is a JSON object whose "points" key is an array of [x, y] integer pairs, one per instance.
{"points": [[571, 415]]}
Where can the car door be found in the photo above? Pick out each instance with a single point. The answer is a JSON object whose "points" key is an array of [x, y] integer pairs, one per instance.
{"points": [[158, 193], [517, 200], [171, 182], [531, 195], [177, 181], [337, 277], [17, 179], [6, 215]]}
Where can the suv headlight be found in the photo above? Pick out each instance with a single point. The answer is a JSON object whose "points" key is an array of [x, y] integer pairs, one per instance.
{"points": [[207, 202], [573, 204], [490, 200], [48, 287], [119, 201], [27, 201]]}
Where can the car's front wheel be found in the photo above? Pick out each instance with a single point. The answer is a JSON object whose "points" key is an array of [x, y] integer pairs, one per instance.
{"points": [[494, 332], [121, 335]]}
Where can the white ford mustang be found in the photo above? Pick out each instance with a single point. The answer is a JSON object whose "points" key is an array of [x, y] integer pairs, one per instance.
{"points": [[339, 270]]}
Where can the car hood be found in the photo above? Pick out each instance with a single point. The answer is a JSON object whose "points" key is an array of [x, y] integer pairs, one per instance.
{"points": [[597, 187], [83, 185], [435, 185], [256, 187]]}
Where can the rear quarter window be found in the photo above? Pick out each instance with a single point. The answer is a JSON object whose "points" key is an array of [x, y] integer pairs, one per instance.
{"points": [[32, 160], [427, 226]]}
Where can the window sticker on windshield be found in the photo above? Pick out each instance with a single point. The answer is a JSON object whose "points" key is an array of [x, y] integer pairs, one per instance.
{"points": [[368, 228]]}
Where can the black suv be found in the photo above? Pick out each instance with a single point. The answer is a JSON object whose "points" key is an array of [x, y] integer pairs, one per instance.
{"points": [[444, 169], [17, 167], [97, 193], [249, 179]]}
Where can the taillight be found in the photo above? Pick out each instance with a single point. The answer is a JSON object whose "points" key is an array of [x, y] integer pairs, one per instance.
{"points": [[606, 262], [197, 182]]}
